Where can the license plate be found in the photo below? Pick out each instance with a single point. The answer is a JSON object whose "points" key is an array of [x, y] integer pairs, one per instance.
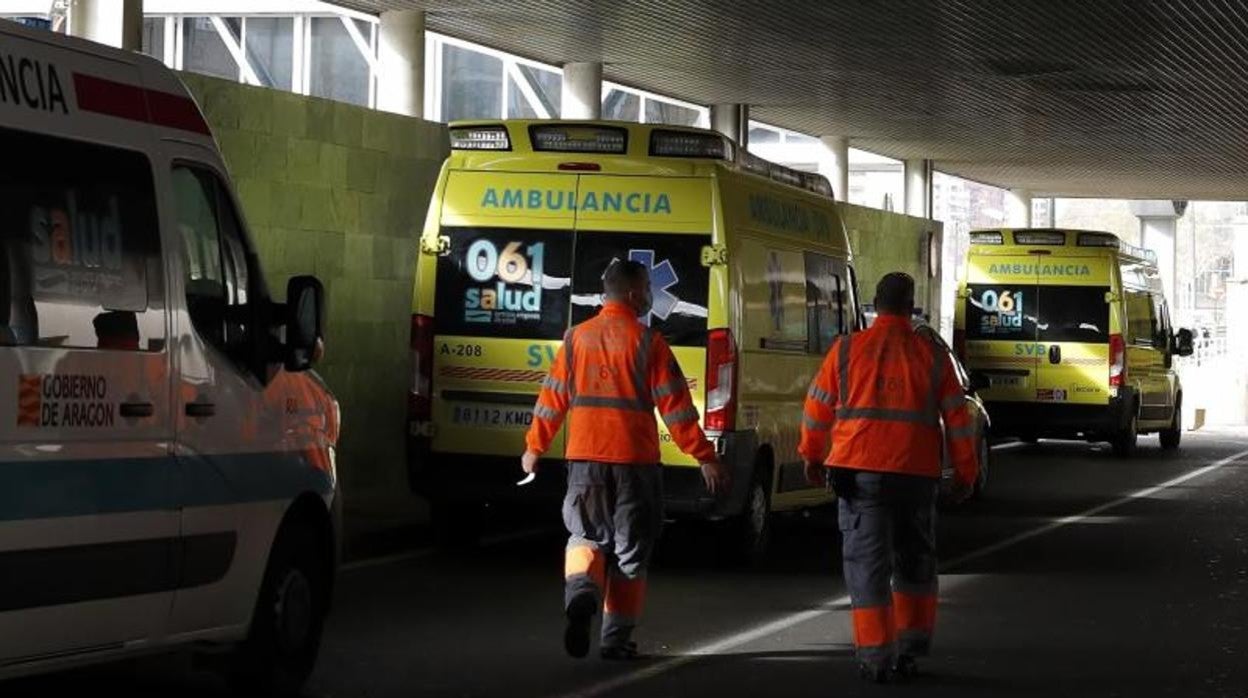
{"points": [[1005, 381], [492, 416]]}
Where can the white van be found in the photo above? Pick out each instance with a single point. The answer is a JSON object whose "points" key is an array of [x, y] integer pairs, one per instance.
{"points": [[166, 465]]}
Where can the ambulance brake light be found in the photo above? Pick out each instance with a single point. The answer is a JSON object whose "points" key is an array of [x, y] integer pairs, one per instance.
{"points": [[1117, 362], [1031, 237], [420, 394], [566, 138], [687, 144], [1098, 240], [987, 238], [480, 138], [721, 381]]}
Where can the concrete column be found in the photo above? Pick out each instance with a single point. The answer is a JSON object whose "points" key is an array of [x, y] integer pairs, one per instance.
{"points": [[1159, 223], [918, 188], [732, 120], [834, 164], [116, 23], [401, 63], [1018, 208], [582, 91]]}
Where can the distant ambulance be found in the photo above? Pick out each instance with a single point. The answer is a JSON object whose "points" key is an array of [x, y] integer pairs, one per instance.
{"points": [[1073, 332], [166, 463], [751, 276]]}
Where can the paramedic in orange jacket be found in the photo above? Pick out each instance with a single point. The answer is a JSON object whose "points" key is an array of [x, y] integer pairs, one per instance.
{"points": [[882, 395], [607, 379]]}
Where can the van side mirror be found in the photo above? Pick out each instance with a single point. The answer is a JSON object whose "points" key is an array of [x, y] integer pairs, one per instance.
{"points": [[1183, 342], [979, 381], [305, 318]]}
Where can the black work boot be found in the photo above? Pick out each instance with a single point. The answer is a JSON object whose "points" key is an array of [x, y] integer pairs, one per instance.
{"points": [[576, 636], [906, 667], [626, 652], [875, 673]]}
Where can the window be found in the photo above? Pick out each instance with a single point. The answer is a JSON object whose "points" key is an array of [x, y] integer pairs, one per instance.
{"points": [[203, 50], [338, 69], [619, 105], [764, 136], [546, 86], [80, 263], [270, 47], [220, 285], [472, 84], [154, 37], [1141, 319], [1072, 314], [667, 113], [828, 311]]}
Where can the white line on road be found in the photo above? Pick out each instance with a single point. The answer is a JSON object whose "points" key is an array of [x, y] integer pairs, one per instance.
{"points": [[731, 642]]}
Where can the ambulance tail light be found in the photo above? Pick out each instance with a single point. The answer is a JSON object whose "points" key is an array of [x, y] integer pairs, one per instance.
{"points": [[721, 381], [959, 345], [1117, 361], [420, 395]]}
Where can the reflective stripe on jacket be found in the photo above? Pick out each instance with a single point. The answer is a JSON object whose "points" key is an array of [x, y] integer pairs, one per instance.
{"points": [[607, 379], [883, 394]]}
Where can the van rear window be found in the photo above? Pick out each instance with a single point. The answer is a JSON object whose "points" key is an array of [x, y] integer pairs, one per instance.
{"points": [[1044, 313], [678, 281], [501, 282], [1073, 314], [1001, 311]]}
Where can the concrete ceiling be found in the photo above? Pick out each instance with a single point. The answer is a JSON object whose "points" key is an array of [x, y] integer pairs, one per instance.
{"points": [[1113, 98]]}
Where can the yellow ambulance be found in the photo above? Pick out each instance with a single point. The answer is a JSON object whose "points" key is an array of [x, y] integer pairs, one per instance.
{"points": [[1073, 332], [750, 271]]}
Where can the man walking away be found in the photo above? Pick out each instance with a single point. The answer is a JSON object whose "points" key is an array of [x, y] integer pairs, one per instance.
{"points": [[882, 395], [607, 379]]}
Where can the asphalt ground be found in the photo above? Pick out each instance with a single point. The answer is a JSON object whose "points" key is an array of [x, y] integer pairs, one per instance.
{"points": [[1078, 574]]}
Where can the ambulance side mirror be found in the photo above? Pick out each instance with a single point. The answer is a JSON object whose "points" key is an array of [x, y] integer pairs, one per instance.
{"points": [[1183, 343], [305, 322]]}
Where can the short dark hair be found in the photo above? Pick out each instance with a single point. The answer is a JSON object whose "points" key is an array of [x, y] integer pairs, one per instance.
{"points": [[623, 276], [895, 294]]}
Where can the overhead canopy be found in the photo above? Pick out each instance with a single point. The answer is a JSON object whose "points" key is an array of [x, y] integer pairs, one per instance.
{"points": [[1113, 98]]}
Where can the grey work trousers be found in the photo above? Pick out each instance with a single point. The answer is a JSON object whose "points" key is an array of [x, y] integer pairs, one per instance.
{"points": [[888, 524], [613, 513]]}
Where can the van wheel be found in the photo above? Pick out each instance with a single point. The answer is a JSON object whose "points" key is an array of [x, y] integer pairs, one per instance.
{"points": [[1171, 436], [1124, 442], [750, 533], [286, 626]]}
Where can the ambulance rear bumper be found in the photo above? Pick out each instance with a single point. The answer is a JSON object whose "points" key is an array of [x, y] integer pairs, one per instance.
{"points": [[1061, 420]]}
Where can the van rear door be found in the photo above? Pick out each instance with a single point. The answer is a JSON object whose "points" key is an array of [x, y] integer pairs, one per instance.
{"points": [[1001, 312], [1073, 330], [501, 305], [663, 223]]}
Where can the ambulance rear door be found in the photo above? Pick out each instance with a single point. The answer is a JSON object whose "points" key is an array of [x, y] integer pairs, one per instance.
{"points": [[1000, 310], [501, 305], [663, 223]]}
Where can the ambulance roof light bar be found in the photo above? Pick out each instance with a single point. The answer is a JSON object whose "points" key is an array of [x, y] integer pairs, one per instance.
{"points": [[669, 143], [987, 237], [493, 137], [1114, 242], [1039, 237], [796, 178], [579, 138]]}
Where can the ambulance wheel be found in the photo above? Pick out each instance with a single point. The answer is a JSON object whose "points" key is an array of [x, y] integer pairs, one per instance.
{"points": [[1124, 442], [1170, 437], [289, 618], [751, 530]]}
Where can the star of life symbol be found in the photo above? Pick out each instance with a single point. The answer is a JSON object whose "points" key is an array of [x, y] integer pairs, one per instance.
{"points": [[662, 277]]}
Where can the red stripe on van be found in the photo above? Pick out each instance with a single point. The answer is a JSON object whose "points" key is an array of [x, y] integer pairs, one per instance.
{"points": [[135, 103]]}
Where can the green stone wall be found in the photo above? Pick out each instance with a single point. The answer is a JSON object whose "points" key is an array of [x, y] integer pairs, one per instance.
{"points": [[340, 192], [884, 242]]}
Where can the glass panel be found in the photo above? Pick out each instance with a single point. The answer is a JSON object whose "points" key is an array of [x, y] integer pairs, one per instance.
{"points": [[666, 113], [498, 282], [764, 136], [270, 50], [518, 106], [678, 281], [338, 70], [549, 88], [793, 138], [1074, 314], [619, 105], [826, 303], [154, 37], [203, 51], [472, 84], [80, 262], [1141, 320], [997, 311]]}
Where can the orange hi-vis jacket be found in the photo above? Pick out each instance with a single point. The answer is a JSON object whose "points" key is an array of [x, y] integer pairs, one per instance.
{"points": [[883, 394], [608, 377]]}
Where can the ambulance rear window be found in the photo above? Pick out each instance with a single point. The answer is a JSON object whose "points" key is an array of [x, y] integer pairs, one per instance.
{"points": [[1001, 311], [502, 282], [678, 281], [80, 263], [1073, 314]]}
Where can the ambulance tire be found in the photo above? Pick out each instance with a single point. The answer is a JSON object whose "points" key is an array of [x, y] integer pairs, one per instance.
{"points": [[286, 626], [750, 531], [1173, 435], [1124, 442]]}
